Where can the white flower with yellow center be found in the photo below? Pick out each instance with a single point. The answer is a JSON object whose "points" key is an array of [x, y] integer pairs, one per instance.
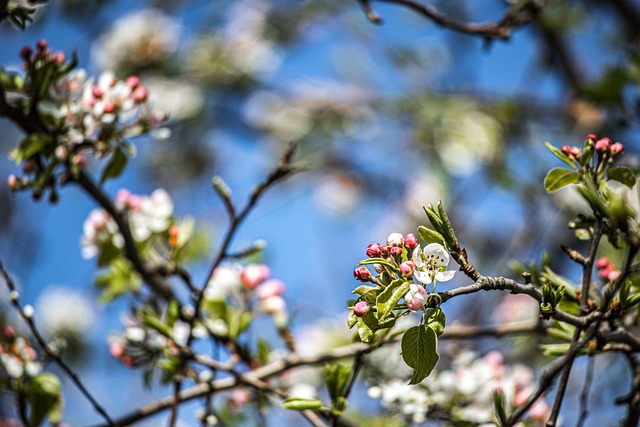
{"points": [[431, 264]]}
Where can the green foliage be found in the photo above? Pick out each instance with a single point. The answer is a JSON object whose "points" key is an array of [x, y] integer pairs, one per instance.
{"points": [[419, 345], [44, 395], [115, 166], [119, 279], [558, 178], [390, 296], [301, 404]]}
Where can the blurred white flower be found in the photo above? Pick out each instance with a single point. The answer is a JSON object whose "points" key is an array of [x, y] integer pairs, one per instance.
{"points": [[143, 37], [178, 99], [224, 282], [337, 193], [62, 310]]}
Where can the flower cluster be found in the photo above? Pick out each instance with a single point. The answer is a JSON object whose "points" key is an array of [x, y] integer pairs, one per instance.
{"points": [[17, 357], [97, 111], [466, 390], [606, 270], [602, 146], [148, 216], [237, 282], [402, 257]]}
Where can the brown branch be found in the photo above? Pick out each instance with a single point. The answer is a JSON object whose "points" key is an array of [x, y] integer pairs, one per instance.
{"points": [[75, 379], [515, 17]]}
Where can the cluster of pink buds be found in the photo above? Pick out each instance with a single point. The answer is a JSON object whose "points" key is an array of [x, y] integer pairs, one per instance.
{"points": [[17, 357], [606, 269], [257, 277], [395, 243], [605, 146], [42, 55], [572, 152]]}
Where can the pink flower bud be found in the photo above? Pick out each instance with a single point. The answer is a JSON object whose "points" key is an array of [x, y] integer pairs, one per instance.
{"points": [[410, 241], [613, 275], [602, 145], [616, 148], [273, 305], [395, 250], [59, 57], [80, 160], [602, 263], [565, 149], [140, 94], [122, 197], [109, 107], [133, 82], [361, 308], [42, 44], [604, 273], [116, 350], [270, 288], [7, 333], [570, 151], [25, 53], [362, 274], [374, 250], [395, 239], [97, 92], [12, 181], [407, 268], [254, 274], [575, 152], [416, 298], [591, 136]]}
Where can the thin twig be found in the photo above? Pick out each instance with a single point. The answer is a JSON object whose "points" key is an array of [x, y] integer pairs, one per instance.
{"points": [[51, 353]]}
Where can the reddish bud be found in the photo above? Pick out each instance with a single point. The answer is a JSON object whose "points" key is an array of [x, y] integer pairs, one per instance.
{"points": [[7, 333], [97, 92], [395, 239], [616, 148], [173, 236], [591, 136], [613, 275], [133, 82], [270, 288], [109, 107], [12, 181], [395, 250], [362, 274], [604, 273], [59, 57], [410, 241], [140, 94], [602, 145], [575, 152], [42, 44], [25, 53], [407, 268], [254, 274], [374, 250], [602, 263], [361, 308]]}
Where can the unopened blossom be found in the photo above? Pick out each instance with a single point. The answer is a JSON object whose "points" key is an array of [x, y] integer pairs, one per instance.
{"points": [[362, 274], [361, 308], [395, 239], [616, 148], [407, 268], [431, 264], [270, 288], [273, 305], [224, 282], [602, 145], [416, 298], [374, 250], [410, 241], [254, 274], [395, 250]]}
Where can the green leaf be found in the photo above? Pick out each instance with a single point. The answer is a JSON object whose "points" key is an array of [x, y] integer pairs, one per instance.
{"points": [[352, 319], [45, 399], [558, 178], [115, 166], [301, 404], [367, 326], [361, 290], [434, 218], [337, 376], [437, 321], [388, 298], [419, 345], [151, 320], [431, 236], [448, 232], [623, 175], [559, 154]]}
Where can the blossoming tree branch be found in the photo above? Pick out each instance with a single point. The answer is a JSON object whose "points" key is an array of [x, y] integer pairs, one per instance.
{"points": [[78, 130]]}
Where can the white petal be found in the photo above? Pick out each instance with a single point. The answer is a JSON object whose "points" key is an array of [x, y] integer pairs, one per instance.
{"points": [[438, 251], [422, 276], [417, 259], [443, 276]]}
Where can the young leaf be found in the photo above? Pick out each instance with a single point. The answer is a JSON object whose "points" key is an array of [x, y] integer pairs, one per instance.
{"points": [[388, 298], [559, 154], [115, 167], [337, 376], [380, 261], [437, 321], [623, 175], [431, 236], [419, 345], [45, 399], [558, 178], [301, 404]]}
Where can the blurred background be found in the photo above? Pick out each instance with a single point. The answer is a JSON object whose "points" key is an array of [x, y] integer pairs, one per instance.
{"points": [[388, 118]]}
